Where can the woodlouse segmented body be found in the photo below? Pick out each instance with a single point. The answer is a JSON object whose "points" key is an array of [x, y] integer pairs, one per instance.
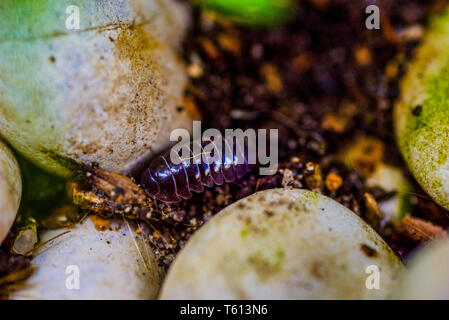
{"points": [[171, 182]]}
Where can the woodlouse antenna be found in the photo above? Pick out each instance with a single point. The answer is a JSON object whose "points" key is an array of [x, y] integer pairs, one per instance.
{"points": [[40, 245]]}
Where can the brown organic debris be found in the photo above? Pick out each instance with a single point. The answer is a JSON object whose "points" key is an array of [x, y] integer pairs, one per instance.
{"points": [[313, 176], [107, 193], [100, 223], [373, 215], [363, 56], [229, 42], [191, 107], [334, 122], [364, 154], [392, 70], [303, 62], [209, 48], [333, 182], [418, 230], [272, 77]]}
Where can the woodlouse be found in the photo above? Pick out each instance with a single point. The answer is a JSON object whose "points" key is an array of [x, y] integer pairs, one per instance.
{"points": [[170, 182]]}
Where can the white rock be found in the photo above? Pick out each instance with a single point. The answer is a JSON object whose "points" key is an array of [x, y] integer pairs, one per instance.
{"points": [[421, 114], [109, 264], [283, 244], [428, 276], [107, 93], [10, 189]]}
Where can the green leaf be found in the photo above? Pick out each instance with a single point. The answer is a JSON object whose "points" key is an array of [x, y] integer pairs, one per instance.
{"points": [[257, 13]]}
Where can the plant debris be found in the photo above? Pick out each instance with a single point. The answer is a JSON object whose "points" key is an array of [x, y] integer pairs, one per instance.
{"points": [[107, 193], [12, 269], [420, 230]]}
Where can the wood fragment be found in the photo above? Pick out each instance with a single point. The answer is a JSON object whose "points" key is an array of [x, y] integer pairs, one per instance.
{"points": [[272, 77], [209, 48], [229, 42], [420, 230], [373, 216], [107, 193]]}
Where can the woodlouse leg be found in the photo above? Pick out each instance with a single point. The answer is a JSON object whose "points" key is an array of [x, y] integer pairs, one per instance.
{"points": [[193, 173], [216, 162], [180, 176], [228, 162], [160, 170], [205, 171], [239, 159]]}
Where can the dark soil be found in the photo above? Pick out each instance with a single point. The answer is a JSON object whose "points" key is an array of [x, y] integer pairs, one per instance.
{"points": [[321, 80]]}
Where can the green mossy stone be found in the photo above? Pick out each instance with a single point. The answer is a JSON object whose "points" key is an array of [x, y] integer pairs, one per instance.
{"points": [[107, 93], [421, 115]]}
